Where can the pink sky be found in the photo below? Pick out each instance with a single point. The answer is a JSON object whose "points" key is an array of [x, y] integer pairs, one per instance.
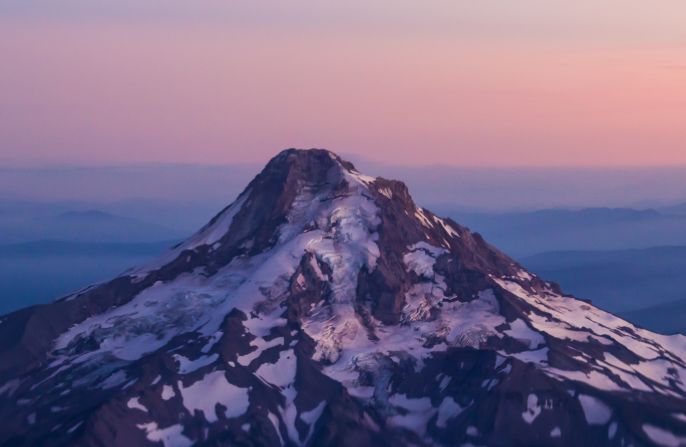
{"points": [[545, 83]]}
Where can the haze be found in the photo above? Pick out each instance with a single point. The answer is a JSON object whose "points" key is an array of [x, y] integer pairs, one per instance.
{"points": [[488, 83]]}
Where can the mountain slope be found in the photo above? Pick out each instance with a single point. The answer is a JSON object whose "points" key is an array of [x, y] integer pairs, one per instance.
{"points": [[323, 307]]}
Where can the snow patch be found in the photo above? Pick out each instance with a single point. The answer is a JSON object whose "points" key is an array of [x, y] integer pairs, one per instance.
{"points": [[134, 403], [281, 373], [421, 216], [386, 192], [10, 387], [213, 389], [311, 417], [74, 427], [421, 259], [275, 423], [187, 366], [171, 436], [537, 357], [447, 227], [533, 409], [167, 392], [520, 331], [595, 411], [447, 410], [417, 413], [663, 437], [261, 346], [362, 179]]}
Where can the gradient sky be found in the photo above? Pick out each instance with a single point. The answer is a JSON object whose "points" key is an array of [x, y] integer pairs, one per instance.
{"points": [[466, 83]]}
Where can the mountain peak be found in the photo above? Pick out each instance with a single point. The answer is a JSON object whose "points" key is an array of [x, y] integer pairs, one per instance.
{"points": [[311, 166], [313, 157], [294, 169], [286, 197], [325, 307]]}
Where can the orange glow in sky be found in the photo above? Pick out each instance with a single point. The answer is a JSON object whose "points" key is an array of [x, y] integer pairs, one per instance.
{"points": [[546, 83]]}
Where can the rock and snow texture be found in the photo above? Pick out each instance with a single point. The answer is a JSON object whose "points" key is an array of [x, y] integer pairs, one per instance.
{"points": [[323, 307]]}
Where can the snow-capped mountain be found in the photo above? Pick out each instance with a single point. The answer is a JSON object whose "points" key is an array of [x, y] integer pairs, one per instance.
{"points": [[323, 307]]}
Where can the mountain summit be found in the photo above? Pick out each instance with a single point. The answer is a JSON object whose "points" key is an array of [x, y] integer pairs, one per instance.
{"points": [[324, 307]]}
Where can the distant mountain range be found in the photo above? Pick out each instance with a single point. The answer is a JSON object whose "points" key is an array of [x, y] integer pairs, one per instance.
{"points": [[65, 248], [91, 226], [677, 210], [41, 271], [93, 215], [618, 280], [527, 233], [668, 318], [178, 215]]}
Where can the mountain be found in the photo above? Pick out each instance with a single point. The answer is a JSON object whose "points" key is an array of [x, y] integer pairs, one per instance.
{"points": [[675, 210], [617, 280], [89, 226], [323, 307], [63, 248], [180, 215], [95, 215], [527, 233]]}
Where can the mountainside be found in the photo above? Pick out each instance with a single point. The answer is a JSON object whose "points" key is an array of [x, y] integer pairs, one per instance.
{"points": [[323, 307]]}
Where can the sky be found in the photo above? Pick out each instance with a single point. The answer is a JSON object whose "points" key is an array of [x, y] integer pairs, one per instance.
{"points": [[412, 82]]}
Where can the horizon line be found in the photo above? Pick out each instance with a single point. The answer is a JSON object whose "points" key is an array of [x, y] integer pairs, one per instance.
{"points": [[146, 165]]}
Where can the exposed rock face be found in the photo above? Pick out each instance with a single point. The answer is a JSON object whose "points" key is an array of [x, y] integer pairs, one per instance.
{"points": [[323, 307]]}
